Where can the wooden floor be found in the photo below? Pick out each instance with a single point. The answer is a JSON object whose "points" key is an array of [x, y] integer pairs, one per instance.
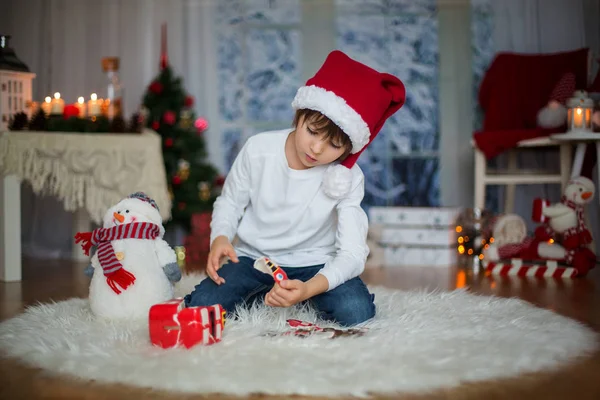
{"points": [[44, 281]]}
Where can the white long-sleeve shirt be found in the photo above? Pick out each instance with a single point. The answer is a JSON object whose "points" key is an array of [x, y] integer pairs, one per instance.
{"points": [[283, 213]]}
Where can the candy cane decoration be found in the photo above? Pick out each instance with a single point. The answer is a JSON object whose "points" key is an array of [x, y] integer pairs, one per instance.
{"points": [[516, 267]]}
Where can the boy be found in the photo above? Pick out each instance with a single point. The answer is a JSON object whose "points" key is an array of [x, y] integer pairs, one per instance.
{"points": [[295, 197]]}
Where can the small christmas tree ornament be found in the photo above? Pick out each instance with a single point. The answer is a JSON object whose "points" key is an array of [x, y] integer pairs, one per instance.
{"points": [[184, 169], [204, 189], [185, 119], [169, 117], [201, 125]]}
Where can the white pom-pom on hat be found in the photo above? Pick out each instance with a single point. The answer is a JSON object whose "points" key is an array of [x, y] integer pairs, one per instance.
{"points": [[337, 181]]}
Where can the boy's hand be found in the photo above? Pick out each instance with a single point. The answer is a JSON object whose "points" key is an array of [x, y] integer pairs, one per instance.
{"points": [[287, 293], [220, 248]]}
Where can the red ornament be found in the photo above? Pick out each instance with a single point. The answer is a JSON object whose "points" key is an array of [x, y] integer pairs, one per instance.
{"points": [[176, 180], [155, 125], [219, 180], [201, 124], [188, 102], [70, 110], [156, 87], [169, 142], [169, 117]]}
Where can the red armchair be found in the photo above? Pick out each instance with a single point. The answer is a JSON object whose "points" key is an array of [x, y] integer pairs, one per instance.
{"points": [[515, 88]]}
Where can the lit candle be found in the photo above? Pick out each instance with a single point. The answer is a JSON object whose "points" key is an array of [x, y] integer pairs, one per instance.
{"points": [[46, 105], [81, 106], [33, 107], [58, 104], [94, 105], [578, 118]]}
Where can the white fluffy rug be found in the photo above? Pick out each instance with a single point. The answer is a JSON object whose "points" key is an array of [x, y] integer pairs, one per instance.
{"points": [[418, 341]]}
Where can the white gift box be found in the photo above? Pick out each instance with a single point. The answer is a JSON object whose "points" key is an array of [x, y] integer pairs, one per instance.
{"points": [[412, 236], [414, 216], [398, 256], [417, 236]]}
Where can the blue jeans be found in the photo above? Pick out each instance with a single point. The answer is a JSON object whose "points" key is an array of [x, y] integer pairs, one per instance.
{"points": [[348, 304]]}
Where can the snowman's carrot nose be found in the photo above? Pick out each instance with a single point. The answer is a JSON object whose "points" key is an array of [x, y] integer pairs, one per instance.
{"points": [[586, 195], [119, 217]]}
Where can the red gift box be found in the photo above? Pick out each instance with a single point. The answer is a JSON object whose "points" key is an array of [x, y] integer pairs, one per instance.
{"points": [[171, 324], [537, 214]]}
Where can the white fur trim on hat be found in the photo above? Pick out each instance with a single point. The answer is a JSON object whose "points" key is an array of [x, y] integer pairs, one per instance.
{"points": [[337, 110], [337, 181]]}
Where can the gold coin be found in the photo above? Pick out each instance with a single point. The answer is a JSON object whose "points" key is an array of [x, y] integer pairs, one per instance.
{"points": [[120, 255]]}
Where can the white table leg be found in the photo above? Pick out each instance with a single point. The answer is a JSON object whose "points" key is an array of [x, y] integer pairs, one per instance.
{"points": [[10, 229], [578, 161], [480, 171], [565, 164], [509, 194], [81, 223]]}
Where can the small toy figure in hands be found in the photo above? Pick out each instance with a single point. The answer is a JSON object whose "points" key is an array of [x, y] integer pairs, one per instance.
{"points": [[267, 266], [133, 265], [294, 196], [285, 293]]}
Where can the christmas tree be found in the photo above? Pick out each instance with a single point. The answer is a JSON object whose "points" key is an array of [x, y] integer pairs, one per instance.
{"points": [[167, 109]]}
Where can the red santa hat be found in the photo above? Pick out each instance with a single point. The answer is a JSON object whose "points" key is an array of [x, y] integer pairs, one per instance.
{"points": [[356, 98]]}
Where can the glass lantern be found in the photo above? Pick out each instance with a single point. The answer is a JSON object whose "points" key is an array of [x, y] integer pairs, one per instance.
{"points": [[113, 101], [15, 84], [580, 109]]}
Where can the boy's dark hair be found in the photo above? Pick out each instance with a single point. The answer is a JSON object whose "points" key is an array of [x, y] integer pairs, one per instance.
{"points": [[322, 124]]}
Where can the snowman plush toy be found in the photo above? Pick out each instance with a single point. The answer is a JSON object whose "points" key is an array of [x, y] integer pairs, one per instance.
{"points": [[562, 236], [133, 267]]}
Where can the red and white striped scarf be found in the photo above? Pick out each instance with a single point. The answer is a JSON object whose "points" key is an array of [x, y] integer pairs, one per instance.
{"points": [[102, 237], [580, 217]]}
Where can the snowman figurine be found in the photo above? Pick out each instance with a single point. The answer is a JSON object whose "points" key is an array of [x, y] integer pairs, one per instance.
{"points": [[133, 267], [566, 219]]}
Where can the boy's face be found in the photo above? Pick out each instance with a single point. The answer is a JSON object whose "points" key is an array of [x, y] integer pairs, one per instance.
{"points": [[312, 148]]}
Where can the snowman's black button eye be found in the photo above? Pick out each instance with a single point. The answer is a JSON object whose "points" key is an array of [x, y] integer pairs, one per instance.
{"points": [[126, 211], [580, 189]]}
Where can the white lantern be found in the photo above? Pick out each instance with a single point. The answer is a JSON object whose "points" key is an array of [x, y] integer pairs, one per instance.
{"points": [[15, 84], [580, 109]]}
